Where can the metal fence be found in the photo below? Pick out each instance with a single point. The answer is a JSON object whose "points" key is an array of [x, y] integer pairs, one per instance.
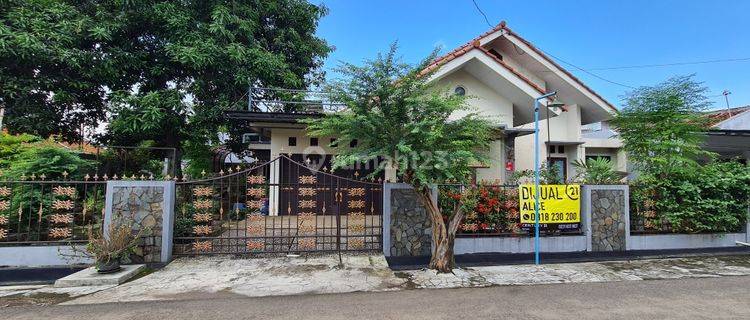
{"points": [[39, 212], [279, 206]]}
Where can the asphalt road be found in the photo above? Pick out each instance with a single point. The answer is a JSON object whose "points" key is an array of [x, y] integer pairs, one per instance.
{"points": [[726, 298]]}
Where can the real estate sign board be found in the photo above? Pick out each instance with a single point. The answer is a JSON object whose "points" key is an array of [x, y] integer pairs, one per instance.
{"points": [[558, 204]]}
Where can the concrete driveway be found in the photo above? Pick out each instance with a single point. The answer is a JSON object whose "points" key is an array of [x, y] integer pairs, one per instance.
{"points": [[208, 277]]}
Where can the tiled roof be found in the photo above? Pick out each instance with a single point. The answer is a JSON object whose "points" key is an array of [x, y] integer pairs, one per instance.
{"points": [[475, 44], [721, 115]]}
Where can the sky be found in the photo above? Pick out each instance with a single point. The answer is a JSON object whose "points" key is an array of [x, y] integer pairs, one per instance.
{"points": [[588, 34]]}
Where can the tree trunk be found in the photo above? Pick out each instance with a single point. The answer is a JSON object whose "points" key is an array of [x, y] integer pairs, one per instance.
{"points": [[443, 237]]}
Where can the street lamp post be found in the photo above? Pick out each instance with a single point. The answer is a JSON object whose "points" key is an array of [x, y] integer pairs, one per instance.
{"points": [[554, 104]]}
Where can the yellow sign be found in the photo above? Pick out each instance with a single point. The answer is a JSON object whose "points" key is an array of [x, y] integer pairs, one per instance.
{"points": [[557, 204]]}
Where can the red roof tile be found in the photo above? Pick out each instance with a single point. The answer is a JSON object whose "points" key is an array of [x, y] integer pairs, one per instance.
{"points": [[475, 44]]}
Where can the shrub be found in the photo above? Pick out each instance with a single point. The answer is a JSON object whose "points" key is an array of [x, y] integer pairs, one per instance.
{"points": [[596, 171], [492, 209], [710, 198]]}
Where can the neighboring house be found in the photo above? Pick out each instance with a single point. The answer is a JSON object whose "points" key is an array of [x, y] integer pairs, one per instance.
{"points": [[501, 74], [729, 136]]}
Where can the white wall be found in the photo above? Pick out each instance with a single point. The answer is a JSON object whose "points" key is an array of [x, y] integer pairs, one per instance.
{"points": [[495, 173], [481, 98], [565, 127], [43, 256]]}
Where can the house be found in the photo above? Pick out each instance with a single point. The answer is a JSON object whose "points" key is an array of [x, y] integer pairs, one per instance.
{"points": [[501, 74], [729, 136]]}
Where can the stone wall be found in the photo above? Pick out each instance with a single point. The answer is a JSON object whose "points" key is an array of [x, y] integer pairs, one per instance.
{"points": [[150, 206], [410, 227], [608, 220]]}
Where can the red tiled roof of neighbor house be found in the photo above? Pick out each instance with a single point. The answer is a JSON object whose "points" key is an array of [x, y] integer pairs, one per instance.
{"points": [[720, 115], [475, 44]]}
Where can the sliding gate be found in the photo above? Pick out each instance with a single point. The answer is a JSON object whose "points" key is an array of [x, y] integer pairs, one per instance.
{"points": [[281, 206]]}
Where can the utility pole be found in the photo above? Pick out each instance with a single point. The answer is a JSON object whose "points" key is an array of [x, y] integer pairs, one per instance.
{"points": [[726, 94]]}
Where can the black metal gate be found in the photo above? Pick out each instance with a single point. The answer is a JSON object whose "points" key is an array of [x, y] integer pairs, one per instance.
{"points": [[280, 206]]}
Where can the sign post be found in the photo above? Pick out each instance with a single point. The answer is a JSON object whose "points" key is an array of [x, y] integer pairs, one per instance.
{"points": [[549, 204]]}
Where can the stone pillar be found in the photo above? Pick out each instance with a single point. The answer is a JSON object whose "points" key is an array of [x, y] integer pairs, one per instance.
{"points": [[407, 230], [149, 205], [607, 214]]}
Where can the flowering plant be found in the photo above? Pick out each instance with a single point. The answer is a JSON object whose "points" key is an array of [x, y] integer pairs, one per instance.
{"points": [[494, 208]]}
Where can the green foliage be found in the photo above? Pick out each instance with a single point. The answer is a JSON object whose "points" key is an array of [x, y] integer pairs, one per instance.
{"points": [[200, 158], [596, 171], [49, 159], [12, 145], [490, 209], [710, 198], [547, 175], [54, 75], [662, 127], [168, 68], [394, 113]]}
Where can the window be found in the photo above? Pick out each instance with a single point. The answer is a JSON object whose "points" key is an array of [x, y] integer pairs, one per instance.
{"points": [[496, 54], [460, 91], [353, 143], [254, 138], [333, 142], [562, 168], [313, 142], [552, 149], [560, 149], [292, 141]]}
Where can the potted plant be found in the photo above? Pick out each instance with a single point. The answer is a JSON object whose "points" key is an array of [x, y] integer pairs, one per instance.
{"points": [[113, 248]]}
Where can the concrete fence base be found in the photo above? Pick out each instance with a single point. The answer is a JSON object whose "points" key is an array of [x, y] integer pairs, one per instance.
{"points": [[43, 256], [685, 241], [519, 244]]}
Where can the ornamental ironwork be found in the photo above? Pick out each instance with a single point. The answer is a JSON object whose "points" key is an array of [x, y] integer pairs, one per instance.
{"points": [[202, 217], [58, 233], [202, 230], [256, 179], [308, 192], [356, 204], [62, 204], [202, 246], [255, 245], [256, 192], [308, 179], [61, 218], [203, 191], [356, 192], [203, 204], [62, 191], [307, 204]]}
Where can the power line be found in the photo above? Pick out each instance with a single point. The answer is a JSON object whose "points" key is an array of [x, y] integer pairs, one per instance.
{"points": [[561, 60], [672, 64], [482, 12], [588, 72]]}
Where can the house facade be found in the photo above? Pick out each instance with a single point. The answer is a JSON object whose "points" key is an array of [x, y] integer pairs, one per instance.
{"points": [[501, 74]]}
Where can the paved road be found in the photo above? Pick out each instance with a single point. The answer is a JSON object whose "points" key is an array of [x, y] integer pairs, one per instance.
{"points": [[727, 298]]}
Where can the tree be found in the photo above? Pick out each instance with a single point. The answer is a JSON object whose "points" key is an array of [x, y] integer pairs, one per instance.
{"points": [[175, 64], [53, 77], [662, 126], [394, 113]]}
